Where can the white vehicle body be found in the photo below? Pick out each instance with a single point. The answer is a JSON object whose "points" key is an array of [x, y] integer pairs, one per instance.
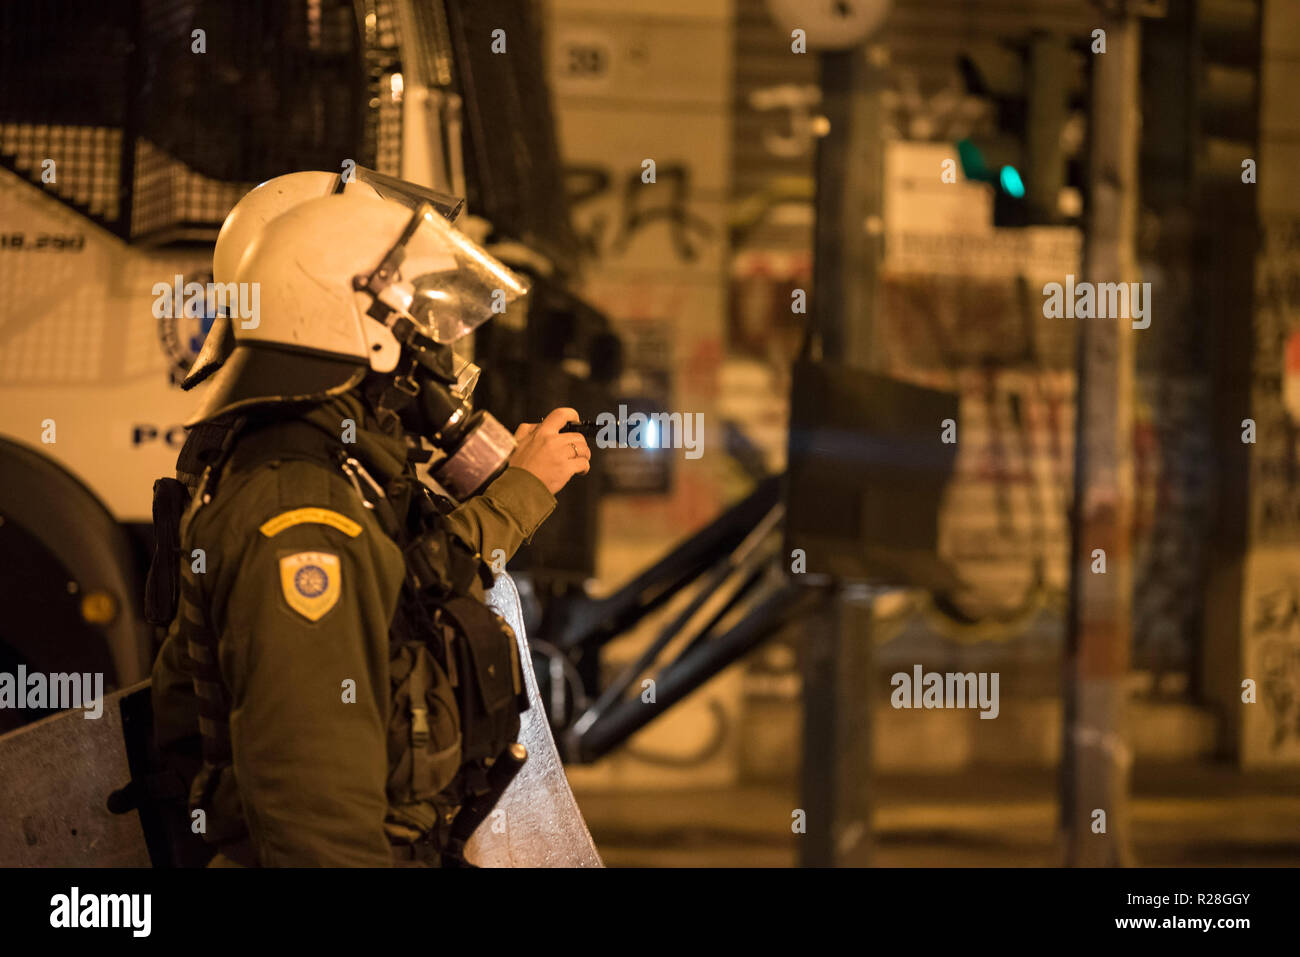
{"points": [[83, 360]]}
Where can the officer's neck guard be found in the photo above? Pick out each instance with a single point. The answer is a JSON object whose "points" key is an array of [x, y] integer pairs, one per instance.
{"points": [[266, 374]]}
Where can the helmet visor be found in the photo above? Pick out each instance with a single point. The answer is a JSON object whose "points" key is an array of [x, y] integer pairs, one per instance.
{"points": [[410, 195], [446, 284], [456, 284]]}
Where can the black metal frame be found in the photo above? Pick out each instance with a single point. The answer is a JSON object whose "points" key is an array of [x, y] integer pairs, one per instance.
{"points": [[727, 556]]}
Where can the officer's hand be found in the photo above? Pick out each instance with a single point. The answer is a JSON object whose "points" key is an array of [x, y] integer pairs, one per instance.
{"points": [[553, 457]]}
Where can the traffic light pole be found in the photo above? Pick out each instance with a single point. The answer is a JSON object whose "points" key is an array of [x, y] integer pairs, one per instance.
{"points": [[848, 236], [836, 661], [1096, 756]]}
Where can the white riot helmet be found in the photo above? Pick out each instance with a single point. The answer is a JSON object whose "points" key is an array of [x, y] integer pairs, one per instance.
{"points": [[344, 274], [264, 203]]}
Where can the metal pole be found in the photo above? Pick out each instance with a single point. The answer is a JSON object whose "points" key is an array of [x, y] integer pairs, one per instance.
{"points": [[836, 662], [849, 232], [1096, 756]]}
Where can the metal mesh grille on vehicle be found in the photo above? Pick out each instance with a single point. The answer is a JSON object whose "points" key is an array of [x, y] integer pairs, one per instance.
{"points": [[513, 171], [152, 117]]}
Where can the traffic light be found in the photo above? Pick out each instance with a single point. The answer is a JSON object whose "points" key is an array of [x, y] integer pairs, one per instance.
{"points": [[1010, 207], [1031, 151]]}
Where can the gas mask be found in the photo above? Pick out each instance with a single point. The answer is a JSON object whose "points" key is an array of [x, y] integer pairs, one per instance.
{"points": [[464, 448]]}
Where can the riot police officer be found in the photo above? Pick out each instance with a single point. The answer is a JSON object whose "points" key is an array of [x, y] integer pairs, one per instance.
{"points": [[324, 548]]}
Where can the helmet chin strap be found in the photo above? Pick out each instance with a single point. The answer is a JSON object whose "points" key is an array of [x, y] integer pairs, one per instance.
{"points": [[391, 393], [389, 303], [410, 393]]}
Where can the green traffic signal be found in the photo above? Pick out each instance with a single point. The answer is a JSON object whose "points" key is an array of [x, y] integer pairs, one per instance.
{"points": [[975, 168], [1011, 182]]}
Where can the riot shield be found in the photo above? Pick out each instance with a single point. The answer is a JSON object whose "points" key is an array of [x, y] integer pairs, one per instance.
{"points": [[536, 823], [58, 774]]}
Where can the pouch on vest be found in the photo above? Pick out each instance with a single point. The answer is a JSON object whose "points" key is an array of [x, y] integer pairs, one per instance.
{"points": [[424, 735], [441, 563], [485, 657]]}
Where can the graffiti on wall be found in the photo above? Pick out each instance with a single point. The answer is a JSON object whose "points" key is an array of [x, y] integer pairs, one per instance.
{"points": [[636, 208], [1276, 375], [1273, 656]]}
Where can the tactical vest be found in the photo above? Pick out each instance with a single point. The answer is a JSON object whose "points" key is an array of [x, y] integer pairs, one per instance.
{"points": [[456, 683]]}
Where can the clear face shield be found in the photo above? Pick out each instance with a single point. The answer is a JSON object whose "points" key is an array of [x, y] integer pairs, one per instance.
{"points": [[441, 281], [433, 287]]}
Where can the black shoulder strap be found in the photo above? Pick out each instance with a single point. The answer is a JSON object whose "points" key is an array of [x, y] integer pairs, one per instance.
{"points": [[200, 459], [162, 586], [207, 445]]}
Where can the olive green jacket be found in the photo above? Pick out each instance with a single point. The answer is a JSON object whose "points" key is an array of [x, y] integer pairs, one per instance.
{"points": [[300, 583]]}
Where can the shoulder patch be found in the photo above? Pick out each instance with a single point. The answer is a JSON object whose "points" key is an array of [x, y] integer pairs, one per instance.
{"points": [[311, 582], [314, 516]]}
